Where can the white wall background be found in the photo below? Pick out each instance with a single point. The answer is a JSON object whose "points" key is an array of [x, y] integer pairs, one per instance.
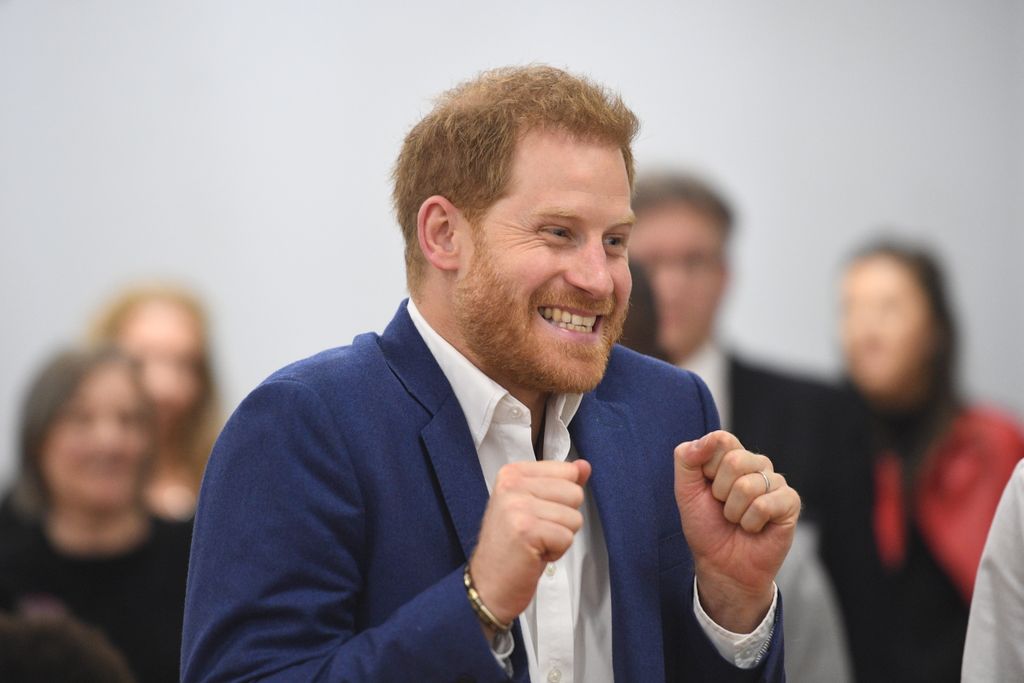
{"points": [[244, 148]]}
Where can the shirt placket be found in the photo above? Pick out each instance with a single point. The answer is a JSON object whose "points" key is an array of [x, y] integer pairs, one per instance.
{"points": [[555, 615]]}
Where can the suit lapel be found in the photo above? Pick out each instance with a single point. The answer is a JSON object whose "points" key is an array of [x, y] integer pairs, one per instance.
{"points": [[603, 434], [446, 436], [447, 441], [457, 466]]}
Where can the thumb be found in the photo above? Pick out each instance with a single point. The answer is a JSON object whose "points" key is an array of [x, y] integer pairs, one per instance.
{"points": [[690, 458]]}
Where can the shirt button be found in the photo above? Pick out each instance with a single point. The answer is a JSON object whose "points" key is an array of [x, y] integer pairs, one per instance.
{"points": [[550, 571], [516, 412], [554, 676]]}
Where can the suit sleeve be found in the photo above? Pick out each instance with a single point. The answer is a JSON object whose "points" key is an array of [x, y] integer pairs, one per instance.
{"points": [[275, 575], [992, 651], [703, 661]]}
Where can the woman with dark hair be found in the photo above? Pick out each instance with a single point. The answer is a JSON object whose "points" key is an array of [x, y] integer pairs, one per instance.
{"points": [[907, 524], [89, 548]]}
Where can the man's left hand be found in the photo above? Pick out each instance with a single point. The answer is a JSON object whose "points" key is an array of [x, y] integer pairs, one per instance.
{"points": [[739, 517]]}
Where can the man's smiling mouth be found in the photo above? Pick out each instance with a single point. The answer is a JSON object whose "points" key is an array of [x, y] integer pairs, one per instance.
{"points": [[568, 321]]}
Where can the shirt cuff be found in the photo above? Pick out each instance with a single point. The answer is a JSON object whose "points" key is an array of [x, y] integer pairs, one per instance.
{"points": [[743, 650], [501, 648]]}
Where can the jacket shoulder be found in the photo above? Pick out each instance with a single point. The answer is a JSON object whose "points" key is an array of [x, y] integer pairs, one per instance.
{"points": [[336, 367], [630, 373], [655, 389]]}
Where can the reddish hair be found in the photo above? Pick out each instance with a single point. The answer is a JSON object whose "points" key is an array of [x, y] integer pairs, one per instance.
{"points": [[463, 149]]}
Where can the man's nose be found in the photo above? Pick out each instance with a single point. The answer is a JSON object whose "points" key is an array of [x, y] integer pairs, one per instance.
{"points": [[590, 271]]}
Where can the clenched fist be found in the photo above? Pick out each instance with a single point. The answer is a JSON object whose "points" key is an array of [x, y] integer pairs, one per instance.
{"points": [[739, 517], [531, 519]]}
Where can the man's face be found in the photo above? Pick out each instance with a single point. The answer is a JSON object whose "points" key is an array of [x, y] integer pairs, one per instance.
{"points": [[547, 285], [682, 251]]}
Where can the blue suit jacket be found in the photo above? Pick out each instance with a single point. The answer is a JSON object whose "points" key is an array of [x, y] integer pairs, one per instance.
{"points": [[345, 495]]}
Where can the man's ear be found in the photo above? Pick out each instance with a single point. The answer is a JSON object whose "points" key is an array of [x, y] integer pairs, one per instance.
{"points": [[439, 227]]}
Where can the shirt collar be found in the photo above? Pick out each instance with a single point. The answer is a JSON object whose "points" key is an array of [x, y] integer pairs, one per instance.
{"points": [[478, 394]]}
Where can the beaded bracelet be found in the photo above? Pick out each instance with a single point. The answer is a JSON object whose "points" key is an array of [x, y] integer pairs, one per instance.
{"points": [[485, 615]]}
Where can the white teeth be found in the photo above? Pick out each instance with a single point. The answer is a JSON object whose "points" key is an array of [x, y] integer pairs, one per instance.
{"points": [[567, 320]]}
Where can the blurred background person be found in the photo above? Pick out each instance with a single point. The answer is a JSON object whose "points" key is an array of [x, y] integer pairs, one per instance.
{"points": [[59, 649], [94, 551], [905, 531], [165, 328], [639, 332], [681, 240], [995, 630], [689, 224]]}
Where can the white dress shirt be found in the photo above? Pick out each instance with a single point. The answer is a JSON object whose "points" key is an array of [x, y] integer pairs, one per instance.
{"points": [[567, 627], [710, 364]]}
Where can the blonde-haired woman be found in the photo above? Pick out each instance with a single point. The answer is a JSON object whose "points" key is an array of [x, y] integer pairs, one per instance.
{"points": [[165, 328]]}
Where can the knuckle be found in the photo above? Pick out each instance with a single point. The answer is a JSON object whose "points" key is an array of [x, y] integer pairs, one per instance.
{"points": [[731, 460], [563, 539], [520, 524], [761, 507], [748, 487], [576, 497], [728, 439], [576, 521], [506, 479]]}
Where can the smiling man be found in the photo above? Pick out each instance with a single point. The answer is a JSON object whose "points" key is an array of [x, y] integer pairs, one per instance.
{"points": [[492, 489]]}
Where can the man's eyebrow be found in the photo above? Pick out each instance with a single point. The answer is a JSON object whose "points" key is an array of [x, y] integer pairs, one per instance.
{"points": [[630, 219], [560, 213]]}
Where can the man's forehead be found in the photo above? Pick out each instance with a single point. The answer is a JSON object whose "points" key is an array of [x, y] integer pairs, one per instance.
{"points": [[554, 160]]}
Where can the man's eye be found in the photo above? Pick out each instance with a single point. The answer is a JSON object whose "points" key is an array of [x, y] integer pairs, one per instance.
{"points": [[615, 241], [558, 232]]}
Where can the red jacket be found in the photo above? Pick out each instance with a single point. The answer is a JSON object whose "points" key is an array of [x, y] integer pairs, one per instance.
{"points": [[956, 494]]}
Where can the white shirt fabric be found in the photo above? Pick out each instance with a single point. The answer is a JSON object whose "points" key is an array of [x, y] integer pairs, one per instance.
{"points": [[711, 365], [994, 650], [567, 627]]}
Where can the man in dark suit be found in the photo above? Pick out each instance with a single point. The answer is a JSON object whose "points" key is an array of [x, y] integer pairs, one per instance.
{"points": [[680, 241], [491, 489]]}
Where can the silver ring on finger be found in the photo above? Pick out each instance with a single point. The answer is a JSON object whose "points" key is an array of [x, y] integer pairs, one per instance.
{"points": [[767, 481]]}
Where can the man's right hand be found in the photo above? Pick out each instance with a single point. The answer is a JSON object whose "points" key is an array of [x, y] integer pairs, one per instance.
{"points": [[531, 519]]}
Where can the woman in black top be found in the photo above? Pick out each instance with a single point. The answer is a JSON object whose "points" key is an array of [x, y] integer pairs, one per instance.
{"points": [[89, 548], [910, 507]]}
